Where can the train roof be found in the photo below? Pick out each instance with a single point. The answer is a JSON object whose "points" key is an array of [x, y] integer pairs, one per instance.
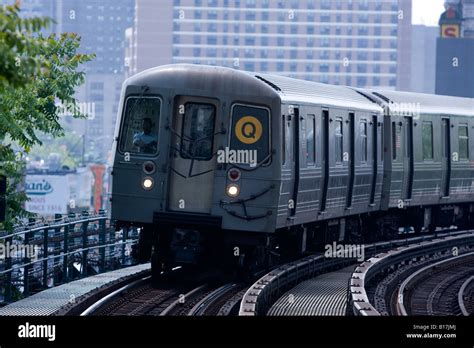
{"points": [[411, 104], [212, 79], [227, 80], [294, 90]]}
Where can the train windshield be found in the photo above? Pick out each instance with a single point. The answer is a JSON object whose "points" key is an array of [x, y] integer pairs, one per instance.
{"points": [[198, 131], [140, 126]]}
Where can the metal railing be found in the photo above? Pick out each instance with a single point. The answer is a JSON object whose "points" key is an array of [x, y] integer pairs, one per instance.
{"points": [[42, 254]]}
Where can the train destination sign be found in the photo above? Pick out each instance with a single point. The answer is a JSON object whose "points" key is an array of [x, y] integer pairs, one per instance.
{"points": [[248, 130]]}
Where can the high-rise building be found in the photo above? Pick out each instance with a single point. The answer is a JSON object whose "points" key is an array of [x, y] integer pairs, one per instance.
{"points": [[101, 24], [357, 42], [468, 18], [33, 8], [455, 50], [423, 59]]}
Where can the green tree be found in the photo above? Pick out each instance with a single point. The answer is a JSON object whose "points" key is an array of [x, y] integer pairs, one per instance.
{"points": [[37, 75]]}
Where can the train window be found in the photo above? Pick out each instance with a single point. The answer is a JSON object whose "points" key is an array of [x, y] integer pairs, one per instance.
{"points": [[140, 126], [283, 139], [463, 141], [394, 141], [427, 140], [396, 138], [198, 131], [382, 146], [251, 131], [339, 140], [310, 144], [363, 137]]}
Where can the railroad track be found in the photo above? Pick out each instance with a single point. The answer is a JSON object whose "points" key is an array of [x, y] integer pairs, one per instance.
{"points": [[208, 301], [221, 301], [426, 278], [436, 288], [466, 297], [293, 289], [176, 295]]}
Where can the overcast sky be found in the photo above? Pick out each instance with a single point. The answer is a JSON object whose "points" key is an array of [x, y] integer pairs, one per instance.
{"points": [[427, 11]]}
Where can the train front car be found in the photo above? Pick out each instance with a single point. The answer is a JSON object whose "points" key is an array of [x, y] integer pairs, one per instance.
{"points": [[194, 165]]}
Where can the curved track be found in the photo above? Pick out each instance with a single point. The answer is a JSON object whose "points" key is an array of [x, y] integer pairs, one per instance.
{"points": [[466, 297], [175, 295], [434, 290]]}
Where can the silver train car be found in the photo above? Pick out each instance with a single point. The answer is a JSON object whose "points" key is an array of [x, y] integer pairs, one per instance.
{"points": [[244, 168]]}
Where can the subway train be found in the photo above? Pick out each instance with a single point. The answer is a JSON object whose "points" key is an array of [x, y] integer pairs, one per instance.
{"points": [[240, 169]]}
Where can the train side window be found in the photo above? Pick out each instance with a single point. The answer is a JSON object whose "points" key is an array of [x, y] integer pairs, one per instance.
{"points": [[198, 131], [394, 141], [463, 141], [363, 136], [382, 146], [427, 140], [396, 136], [250, 131], [338, 136], [283, 139], [310, 143], [140, 126]]}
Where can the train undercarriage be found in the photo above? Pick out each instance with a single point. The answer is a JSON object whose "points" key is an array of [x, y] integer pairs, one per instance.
{"points": [[246, 253]]}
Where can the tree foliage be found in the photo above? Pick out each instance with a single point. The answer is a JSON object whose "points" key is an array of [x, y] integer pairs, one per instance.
{"points": [[38, 78]]}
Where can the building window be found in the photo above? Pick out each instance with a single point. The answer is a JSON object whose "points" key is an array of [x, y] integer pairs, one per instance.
{"points": [[338, 137], [427, 140], [463, 142]]}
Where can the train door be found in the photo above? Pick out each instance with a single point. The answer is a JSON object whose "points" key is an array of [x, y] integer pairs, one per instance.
{"points": [[309, 173], [446, 156], [295, 154], [375, 163], [288, 164], [408, 158], [352, 160], [192, 155], [324, 159]]}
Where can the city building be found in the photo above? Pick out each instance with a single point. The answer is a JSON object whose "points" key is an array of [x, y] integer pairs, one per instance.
{"points": [[34, 8], [101, 24], [423, 59], [357, 42], [455, 50]]}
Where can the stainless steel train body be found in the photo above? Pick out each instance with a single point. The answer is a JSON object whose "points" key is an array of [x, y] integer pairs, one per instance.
{"points": [[328, 159]]}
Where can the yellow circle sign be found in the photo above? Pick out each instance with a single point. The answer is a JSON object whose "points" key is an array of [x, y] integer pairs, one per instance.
{"points": [[248, 130]]}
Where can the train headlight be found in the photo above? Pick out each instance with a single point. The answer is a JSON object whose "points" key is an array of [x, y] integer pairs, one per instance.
{"points": [[147, 183], [233, 190]]}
